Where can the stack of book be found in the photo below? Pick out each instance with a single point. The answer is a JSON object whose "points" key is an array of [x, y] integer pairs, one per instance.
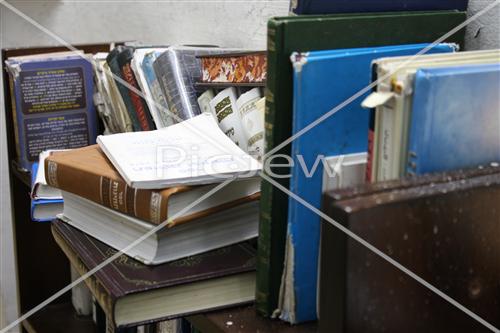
{"points": [[121, 197], [140, 88]]}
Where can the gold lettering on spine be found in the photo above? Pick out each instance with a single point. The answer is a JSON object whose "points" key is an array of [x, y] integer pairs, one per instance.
{"points": [[155, 207], [52, 173]]}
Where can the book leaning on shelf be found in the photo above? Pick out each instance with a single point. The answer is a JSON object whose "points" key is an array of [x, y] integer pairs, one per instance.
{"points": [[51, 102]]}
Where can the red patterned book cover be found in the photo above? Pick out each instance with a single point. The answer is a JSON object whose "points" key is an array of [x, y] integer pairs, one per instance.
{"points": [[244, 67]]}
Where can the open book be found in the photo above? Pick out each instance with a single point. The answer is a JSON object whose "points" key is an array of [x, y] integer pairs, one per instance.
{"points": [[195, 151]]}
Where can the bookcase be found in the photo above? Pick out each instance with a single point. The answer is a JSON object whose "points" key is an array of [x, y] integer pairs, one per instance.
{"points": [[42, 268]]}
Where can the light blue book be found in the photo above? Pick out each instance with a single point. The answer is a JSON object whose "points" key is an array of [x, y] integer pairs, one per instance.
{"points": [[323, 80], [455, 120], [162, 115]]}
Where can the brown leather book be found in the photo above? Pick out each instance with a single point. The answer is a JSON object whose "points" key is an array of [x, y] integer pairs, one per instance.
{"points": [[444, 228], [132, 294], [87, 173]]}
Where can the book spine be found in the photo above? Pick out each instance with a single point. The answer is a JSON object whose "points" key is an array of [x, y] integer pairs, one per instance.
{"points": [[140, 108], [371, 143], [268, 283], [14, 115], [115, 69], [146, 205], [101, 295]]}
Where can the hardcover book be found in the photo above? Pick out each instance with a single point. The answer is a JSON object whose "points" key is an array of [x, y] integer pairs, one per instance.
{"points": [[139, 104], [235, 68], [323, 80], [133, 294], [432, 229], [455, 118], [359, 6], [119, 80], [87, 173], [307, 33], [52, 103], [142, 64]]}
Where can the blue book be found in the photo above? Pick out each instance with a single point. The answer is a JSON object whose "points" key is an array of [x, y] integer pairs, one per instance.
{"points": [[455, 121], [360, 6], [44, 210], [323, 80], [52, 104]]}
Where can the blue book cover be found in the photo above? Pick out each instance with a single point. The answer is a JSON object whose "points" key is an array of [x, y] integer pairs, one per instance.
{"points": [[455, 121], [323, 80], [52, 104], [44, 210], [360, 6], [154, 86]]}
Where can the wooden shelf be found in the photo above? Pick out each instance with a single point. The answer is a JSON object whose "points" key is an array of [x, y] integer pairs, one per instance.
{"points": [[21, 174], [59, 318], [244, 319]]}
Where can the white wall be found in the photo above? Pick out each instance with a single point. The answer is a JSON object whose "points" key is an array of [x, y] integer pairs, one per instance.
{"points": [[226, 23]]}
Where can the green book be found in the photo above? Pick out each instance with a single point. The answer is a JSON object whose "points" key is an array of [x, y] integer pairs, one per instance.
{"points": [[311, 33]]}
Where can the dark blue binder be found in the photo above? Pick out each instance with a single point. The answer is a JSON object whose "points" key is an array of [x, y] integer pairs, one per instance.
{"points": [[361, 6]]}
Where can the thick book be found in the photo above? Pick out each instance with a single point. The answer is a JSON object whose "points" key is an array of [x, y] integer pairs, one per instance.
{"points": [[358, 6], [455, 118], [429, 227], [192, 152], [322, 80], [133, 294], [52, 103], [87, 173], [165, 243], [139, 104], [234, 68], [307, 33], [119, 80]]}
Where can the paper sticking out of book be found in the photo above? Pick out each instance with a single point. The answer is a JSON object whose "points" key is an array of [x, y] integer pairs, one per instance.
{"points": [[195, 151], [39, 187]]}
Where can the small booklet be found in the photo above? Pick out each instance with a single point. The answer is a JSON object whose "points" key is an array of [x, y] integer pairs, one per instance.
{"points": [[195, 151]]}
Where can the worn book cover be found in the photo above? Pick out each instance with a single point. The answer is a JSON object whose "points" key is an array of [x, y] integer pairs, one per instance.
{"points": [[114, 67], [428, 224], [139, 104], [127, 278], [455, 118], [308, 33], [52, 104]]}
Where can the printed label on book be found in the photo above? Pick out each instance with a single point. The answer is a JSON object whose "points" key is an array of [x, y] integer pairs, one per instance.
{"points": [[58, 132], [52, 90]]}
